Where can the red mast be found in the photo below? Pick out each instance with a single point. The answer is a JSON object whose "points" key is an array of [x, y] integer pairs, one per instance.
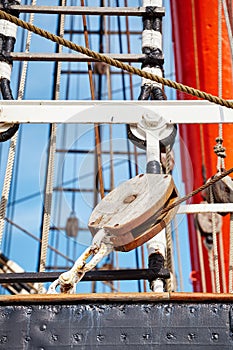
{"points": [[195, 34]]}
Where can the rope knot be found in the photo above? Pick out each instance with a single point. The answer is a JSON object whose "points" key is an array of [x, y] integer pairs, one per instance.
{"points": [[219, 150]]}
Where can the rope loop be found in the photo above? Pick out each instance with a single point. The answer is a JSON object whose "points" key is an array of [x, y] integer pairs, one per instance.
{"points": [[69, 279]]}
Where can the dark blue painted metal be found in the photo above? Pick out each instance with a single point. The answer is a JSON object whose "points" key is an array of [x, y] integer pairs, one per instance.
{"points": [[118, 325]]}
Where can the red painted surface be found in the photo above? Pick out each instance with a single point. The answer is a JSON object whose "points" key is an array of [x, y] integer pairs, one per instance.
{"points": [[195, 34]]}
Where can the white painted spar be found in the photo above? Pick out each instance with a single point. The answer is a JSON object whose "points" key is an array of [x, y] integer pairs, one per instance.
{"points": [[113, 112]]}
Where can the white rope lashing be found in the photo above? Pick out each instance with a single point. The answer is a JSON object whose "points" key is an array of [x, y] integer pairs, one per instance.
{"points": [[152, 39]]}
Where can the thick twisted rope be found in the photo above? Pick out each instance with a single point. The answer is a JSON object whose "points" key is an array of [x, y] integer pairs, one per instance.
{"points": [[103, 58]]}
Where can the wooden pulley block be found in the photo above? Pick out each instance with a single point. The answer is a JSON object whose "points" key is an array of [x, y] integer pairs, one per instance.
{"points": [[128, 213], [204, 222], [222, 191]]}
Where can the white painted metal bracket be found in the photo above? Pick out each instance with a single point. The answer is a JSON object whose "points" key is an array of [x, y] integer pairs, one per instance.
{"points": [[205, 208]]}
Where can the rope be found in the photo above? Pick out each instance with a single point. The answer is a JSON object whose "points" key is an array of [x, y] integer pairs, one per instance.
{"points": [[231, 255], [211, 267], [180, 271], [115, 63], [48, 203], [228, 24], [25, 63], [193, 193], [221, 155], [51, 169], [201, 260], [223, 271], [13, 143], [197, 78], [7, 183], [215, 246], [220, 48], [168, 228], [96, 127]]}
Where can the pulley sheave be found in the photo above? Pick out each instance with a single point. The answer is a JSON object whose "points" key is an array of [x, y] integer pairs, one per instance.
{"points": [[129, 214]]}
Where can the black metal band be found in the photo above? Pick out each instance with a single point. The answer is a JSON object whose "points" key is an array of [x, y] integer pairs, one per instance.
{"points": [[6, 47]]}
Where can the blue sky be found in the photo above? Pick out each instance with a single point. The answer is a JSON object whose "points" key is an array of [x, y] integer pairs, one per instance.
{"points": [[34, 142]]}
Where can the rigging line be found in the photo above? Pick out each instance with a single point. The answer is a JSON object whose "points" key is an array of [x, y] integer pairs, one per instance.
{"points": [[220, 49], [169, 261], [21, 89], [103, 35], [127, 141], [7, 182], [75, 137], [220, 160], [135, 148], [109, 95], [98, 158], [196, 61], [74, 158], [201, 260], [96, 127], [215, 246], [12, 198], [36, 194], [231, 255], [51, 166], [13, 189], [13, 192], [211, 268], [58, 196], [194, 192], [198, 86], [228, 25], [37, 239], [222, 262], [56, 96], [47, 202], [12, 148], [220, 164], [116, 63], [47, 160], [107, 29], [180, 271], [101, 32], [60, 174]]}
